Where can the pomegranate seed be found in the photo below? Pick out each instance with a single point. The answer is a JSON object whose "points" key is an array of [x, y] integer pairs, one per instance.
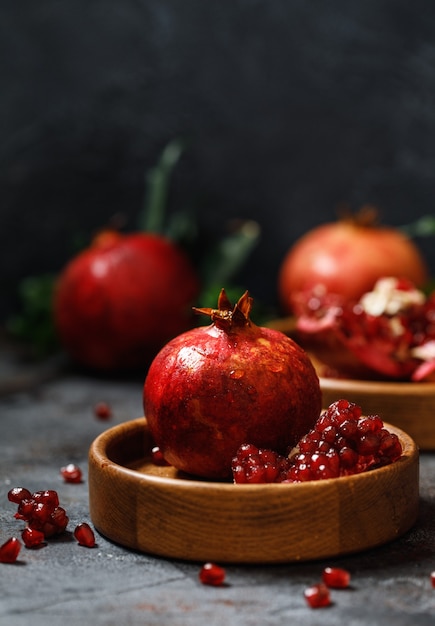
{"points": [[10, 550], [59, 519], [317, 596], [32, 538], [157, 457], [102, 410], [41, 512], [25, 509], [84, 535], [432, 579], [336, 577], [18, 493], [48, 497], [212, 574], [71, 473]]}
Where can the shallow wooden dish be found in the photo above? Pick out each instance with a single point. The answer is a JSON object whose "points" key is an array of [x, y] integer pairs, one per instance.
{"points": [[157, 510], [409, 406]]}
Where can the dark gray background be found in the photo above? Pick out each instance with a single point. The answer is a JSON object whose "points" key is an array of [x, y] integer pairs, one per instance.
{"points": [[291, 108]]}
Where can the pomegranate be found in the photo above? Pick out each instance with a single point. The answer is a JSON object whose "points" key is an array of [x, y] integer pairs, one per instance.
{"points": [[214, 387], [117, 302], [347, 257], [389, 333]]}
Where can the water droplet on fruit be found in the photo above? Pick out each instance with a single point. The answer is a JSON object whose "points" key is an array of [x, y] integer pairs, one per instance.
{"points": [[236, 374]]}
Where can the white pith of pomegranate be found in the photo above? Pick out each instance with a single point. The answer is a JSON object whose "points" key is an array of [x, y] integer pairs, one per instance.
{"points": [[214, 387], [347, 257], [388, 334]]}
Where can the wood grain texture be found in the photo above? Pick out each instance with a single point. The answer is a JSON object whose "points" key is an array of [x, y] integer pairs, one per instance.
{"points": [[159, 511]]}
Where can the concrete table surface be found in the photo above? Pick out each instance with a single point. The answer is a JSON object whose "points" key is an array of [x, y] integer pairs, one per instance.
{"points": [[48, 421]]}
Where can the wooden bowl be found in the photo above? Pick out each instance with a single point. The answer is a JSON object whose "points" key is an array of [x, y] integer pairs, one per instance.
{"points": [[159, 511], [409, 406]]}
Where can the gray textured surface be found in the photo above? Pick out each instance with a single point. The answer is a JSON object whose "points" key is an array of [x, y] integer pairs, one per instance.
{"points": [[53, 424]]}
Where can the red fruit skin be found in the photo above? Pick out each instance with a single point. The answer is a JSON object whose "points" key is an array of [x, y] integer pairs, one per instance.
{"points": [[208, 391], [117, 302], [348, 259]]}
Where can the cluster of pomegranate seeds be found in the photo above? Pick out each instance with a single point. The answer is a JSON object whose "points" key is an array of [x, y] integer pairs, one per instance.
{"points": [[10, 550], [102, 411], [84, 535], [40, 510], [44, 518], [212, 574], [318, 595], [258, 465], [71, 473], [342, 443]]}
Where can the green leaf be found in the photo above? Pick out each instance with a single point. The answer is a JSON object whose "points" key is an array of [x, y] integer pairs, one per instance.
{"points": [[222, 264], [157, 182], [423, 227], [34, 324]]}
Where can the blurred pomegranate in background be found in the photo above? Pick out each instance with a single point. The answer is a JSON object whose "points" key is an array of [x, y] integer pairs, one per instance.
{"points": [[117, 302], [347, 257]]}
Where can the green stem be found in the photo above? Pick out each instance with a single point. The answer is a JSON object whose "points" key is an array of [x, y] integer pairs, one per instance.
{"points": [[423, 227], [157, 179]]}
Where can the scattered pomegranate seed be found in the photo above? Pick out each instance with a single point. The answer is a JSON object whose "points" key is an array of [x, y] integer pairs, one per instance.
{"points": [[71, 473], [10, 550], [157, 457], [32, 537], [432, 578], [103, 411], [317, 596], [84, 535], [336, 577], [212, 574]]}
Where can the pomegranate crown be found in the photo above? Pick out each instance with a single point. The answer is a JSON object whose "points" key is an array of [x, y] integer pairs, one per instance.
{"points": [[227, 315]]}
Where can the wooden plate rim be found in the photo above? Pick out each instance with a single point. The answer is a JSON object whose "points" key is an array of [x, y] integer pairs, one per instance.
{"points": [[98, 450]]}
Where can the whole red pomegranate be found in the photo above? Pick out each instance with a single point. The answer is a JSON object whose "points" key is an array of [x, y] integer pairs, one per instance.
{"points": [[347, 257], [215, 387], [117, 302]]}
